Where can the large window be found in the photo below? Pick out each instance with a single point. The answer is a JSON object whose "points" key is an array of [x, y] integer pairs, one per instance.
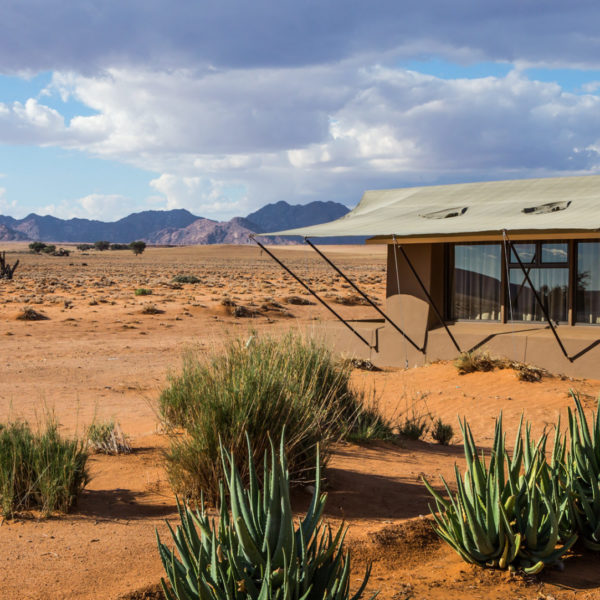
{"points": [[588, 282], [547, 266], [486, 284], [476, 281]]}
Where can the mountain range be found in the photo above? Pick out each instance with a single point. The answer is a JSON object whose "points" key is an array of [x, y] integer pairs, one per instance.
{"points": [[174, 227]]}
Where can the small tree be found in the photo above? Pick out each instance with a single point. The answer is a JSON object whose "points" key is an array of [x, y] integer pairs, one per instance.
{"points": [[37, 247], [137, 247], [49, 249], [6, 271], [102, 245], [84, 247]]}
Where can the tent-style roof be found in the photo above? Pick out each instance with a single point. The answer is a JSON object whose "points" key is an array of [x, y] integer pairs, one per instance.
{"points": [[476, 211]]}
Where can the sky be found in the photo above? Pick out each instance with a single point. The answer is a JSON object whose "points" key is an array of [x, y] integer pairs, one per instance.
{"points": [[222, 106]]}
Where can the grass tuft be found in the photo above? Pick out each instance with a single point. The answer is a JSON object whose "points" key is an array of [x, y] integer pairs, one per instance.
{"points": [[39, 470], [107, 438], [143, 292], [30, 314]]}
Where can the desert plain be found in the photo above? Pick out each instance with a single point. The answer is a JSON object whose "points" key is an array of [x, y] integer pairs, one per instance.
{"points": [[105, 353]]}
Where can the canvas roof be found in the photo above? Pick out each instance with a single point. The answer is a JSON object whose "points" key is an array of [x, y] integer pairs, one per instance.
{"points": [[558, 204]]}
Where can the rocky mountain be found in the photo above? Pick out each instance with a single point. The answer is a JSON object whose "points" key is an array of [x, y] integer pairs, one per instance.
{"points": [[10, 235], [173, 227]]}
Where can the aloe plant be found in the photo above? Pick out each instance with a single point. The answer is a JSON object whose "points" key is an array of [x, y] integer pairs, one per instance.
{"points": [[508, 513], [583, 466], [256, 550]]}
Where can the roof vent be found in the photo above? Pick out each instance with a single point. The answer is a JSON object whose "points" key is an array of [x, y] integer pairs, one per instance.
{"points": [[447, 213], [550, 207]]}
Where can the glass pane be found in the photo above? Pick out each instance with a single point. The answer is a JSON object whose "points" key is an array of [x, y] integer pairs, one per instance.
{"points": [[588, 282], [526, 253], [552, 287], [555, 253], [476, 281]]}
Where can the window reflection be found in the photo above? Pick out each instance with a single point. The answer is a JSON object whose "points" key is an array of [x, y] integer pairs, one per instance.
{"points": [[552, 286], [476, 278], [526, 252], [588, 282], [555, 253]]}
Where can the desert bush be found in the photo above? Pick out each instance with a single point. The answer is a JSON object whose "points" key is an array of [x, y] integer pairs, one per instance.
{"points": [[84, 247], [583, 473], [152, 309], [30, 314], [259, 386], [49, 249], [414, 427], [137, 247], [143, 292], [107, 438], [470, 362], [119, 246], [508, 513], [442, 432], [39, 470], [185, 279], [257, 551], [101, 245]]}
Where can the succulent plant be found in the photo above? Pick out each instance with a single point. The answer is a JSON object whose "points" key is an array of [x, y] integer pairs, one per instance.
{"points": [[505, 514], [583, 467], [256, 550]]}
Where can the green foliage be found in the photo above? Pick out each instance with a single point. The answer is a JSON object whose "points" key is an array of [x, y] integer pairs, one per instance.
{"points": [[37, 247], [101, 245], [143, 292], [414, 427], [39, 470], [119, 246], [258, 386], [256, 551], [583, 473], [137, 247], [185, 279], [442, 432], [507, 513], [49, 249], [107, 438], [84, 247]]}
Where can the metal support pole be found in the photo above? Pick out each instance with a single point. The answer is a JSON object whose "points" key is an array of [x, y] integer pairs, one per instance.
{"points": [[426, 292], [347, 279], [537, 297], [305, 286]]}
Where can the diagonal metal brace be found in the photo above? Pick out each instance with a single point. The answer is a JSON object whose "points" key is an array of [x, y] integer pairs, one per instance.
{"points": [[427, 294], [537, 296], [347, 279], [311, 291]]}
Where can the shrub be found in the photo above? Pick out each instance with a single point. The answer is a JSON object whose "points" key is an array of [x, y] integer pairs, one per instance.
{"points": [[470, 362], [507, 513], [185, 279], [84, 247], [583, 472], [413, 427], [256, 550], [119, 246], [152, 309], [39, 470], [107, 438], [137, 247], [442, 432], [101, 245], [49, 249], [30, 314], [37, 247], [260, 386], [143, 292]]}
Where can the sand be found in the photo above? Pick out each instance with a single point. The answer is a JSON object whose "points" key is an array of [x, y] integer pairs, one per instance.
{"points": [[99, 356]]}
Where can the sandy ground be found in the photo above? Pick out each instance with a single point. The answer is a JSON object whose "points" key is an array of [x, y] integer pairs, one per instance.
{"points": [[98, 355]]}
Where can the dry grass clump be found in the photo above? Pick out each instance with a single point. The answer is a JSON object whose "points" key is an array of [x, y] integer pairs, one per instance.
{"points": [[152, 309], [262, 386], [361, 364], [30, 314], [39, 470], [298, 301], [470, 362], [107, 438]]}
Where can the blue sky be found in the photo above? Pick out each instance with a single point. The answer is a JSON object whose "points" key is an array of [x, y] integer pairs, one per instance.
{"points": [[110, 108]]}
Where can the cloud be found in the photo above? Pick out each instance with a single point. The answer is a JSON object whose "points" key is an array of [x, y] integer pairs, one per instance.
{"points": [[103, 207], [88, 37], [224, 142]]}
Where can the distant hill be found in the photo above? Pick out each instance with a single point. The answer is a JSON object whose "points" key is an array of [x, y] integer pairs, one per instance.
{"points": [[176, 227], [10, 235]]}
